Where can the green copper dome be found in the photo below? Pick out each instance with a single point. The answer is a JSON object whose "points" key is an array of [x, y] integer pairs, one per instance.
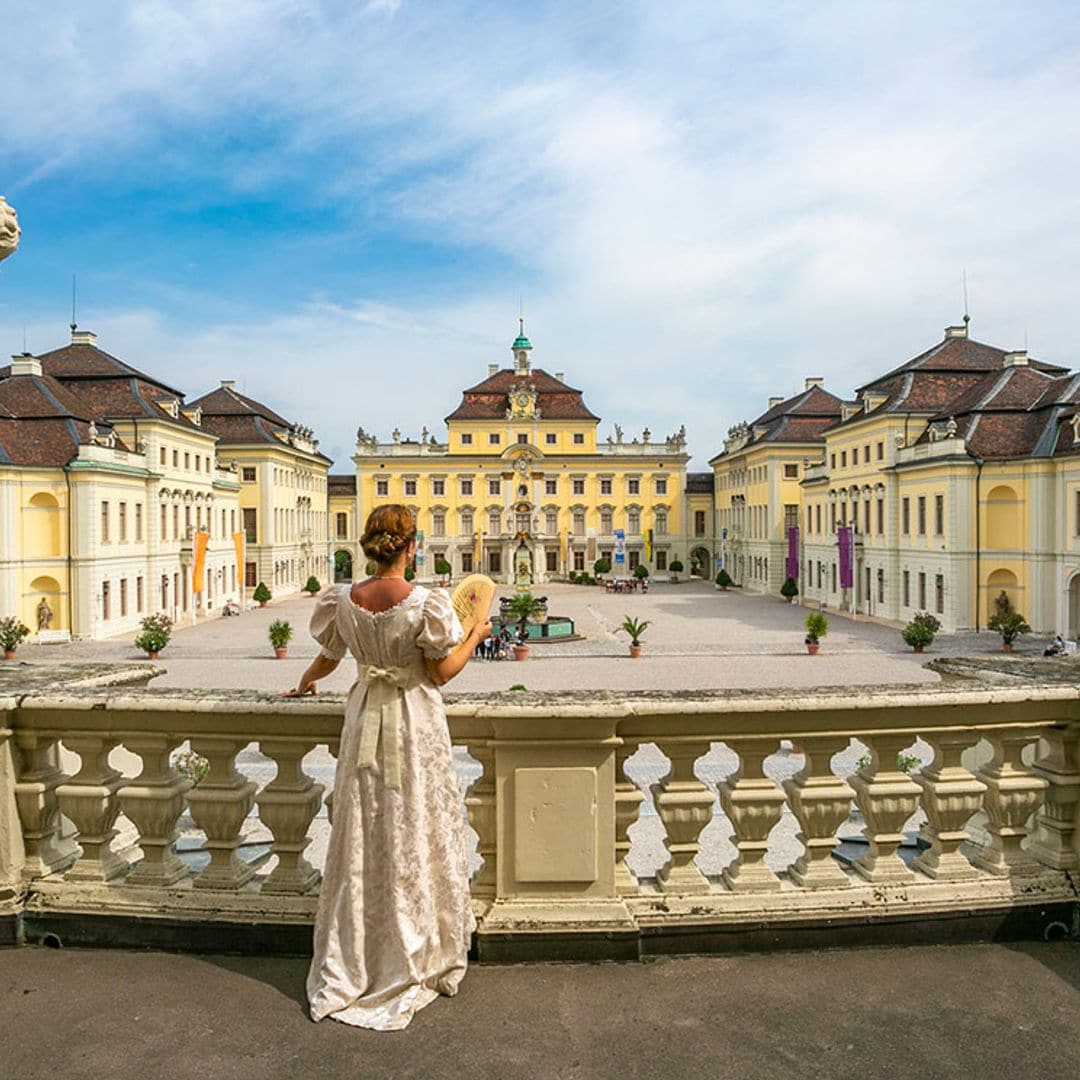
{"points": [[521, 341]]}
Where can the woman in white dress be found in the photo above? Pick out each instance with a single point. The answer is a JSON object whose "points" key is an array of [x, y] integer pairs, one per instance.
{"points": [[394, 920]]}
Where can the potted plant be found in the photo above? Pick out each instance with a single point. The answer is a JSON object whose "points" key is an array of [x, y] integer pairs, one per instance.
{"points": [[817, 626], [675, 568], [443, 569], [601, 567], [312, 586], [636, 629], [12, 632], [641, 571], [1009, 623], [921, 630], [723, 580], [156, 631], [261, 593], [790, 589], [280, 634], [521, 607]]}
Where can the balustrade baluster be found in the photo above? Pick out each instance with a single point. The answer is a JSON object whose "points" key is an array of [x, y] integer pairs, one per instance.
{"points": [[1056, 834], [219, 805], [39, 775], [754, 804], [154, 802], [951, 795], [628, 800], [89, 799], [821, 803], [1013, 794], [887, 797], [480, 807], [685, 806], [287, 807]]}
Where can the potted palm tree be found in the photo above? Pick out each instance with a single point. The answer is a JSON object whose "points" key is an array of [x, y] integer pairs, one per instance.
{"points": [[636, 629], [12, 632], [312, 586], [817, 626], [521, 607], [261, 593], [675, 568], [280, 633]]}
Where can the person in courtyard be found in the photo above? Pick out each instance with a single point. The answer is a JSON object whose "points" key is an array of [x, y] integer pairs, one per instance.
{"points": [[394, 920], [1056, 647]]}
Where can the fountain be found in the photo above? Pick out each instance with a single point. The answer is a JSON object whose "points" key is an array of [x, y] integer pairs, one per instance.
{"points": [[543, 627]]}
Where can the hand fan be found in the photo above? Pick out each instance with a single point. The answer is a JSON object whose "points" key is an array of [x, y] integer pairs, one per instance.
{"points": [[472, 598]]}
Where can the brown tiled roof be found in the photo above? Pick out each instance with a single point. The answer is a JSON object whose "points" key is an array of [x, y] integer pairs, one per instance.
{"points": [[341, 483], [243, 429], [800, 419], [815, 402], [82, 361], [227, 401], [488, 400]]}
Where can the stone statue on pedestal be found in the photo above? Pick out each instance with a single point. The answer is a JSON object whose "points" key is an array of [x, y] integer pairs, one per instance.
{"points": [[44, 615]]}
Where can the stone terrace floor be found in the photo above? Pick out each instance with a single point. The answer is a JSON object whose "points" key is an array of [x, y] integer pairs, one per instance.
{"points": [[919, 1012]]}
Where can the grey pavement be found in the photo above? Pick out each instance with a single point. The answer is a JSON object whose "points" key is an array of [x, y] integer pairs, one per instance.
{"points": [[920, 1013]]}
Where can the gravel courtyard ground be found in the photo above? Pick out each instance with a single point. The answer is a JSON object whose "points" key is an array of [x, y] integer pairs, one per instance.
{"points": [[699, 638]]}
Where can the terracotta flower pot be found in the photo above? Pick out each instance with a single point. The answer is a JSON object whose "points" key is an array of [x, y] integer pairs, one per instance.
{"points": [[262, 603], [1006, 646], [916, 648], [812, 649], [521, 652], [281, 653], [151, 656], [635, 652], [9, 654]]}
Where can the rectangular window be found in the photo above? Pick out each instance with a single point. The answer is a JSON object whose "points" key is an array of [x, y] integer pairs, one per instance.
{"points": [[198, 462], [494, 486], [881, 451], [438, 487], [579, 439], [139, 595], [251, 575], [633, 521], [232, 521], [494, 438], [466, 562], [382, 487], [176, 459], [187, 520], [832, 577], [494, 562], [921, 518], [187, 460], [817, 519], [466, 522], [939, 593], [661, 485], [342, 525], [466, 440], [164, 523], [522, 438], [162, 454], [123, 597], [605, 522], [121, 523], [939, 515], [880, 516], [579, 522], [551, 522], [881, 586], [105, 600], [843, 459], [466, 487], [138, 523], [832, 517], [922, 591], [633, 486], [699, 522], [550, 439], [866, 454], [410, 488], [104, 522], [551, 487], [855, 455], [791, 471], [438, 523], [660, 519], [633, 559], [661, 560], [832, 461], [905, 516], [579, 560], [605, 485], [579, 486], [551, 558], [791, 516], [494, 522], [866, 517], [247, 474], [250, 523], [907, 588]]}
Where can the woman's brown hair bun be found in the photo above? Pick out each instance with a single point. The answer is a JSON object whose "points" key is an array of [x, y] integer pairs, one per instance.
{"points": [[388, 532]]}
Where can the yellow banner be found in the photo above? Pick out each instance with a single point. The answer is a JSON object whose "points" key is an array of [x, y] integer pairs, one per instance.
{"points": [[648, 545], [198, 570], [238, 543]]}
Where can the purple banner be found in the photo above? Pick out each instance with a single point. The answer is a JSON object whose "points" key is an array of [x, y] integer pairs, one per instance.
{"points": [[793, 552], [847, 552]]}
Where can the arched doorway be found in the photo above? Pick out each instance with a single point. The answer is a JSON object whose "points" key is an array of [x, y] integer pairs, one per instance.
{"points": [[700, 562], [342, 565]]}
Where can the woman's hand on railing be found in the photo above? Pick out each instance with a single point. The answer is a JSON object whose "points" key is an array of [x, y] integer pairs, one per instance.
{"points": [[319, 668]]}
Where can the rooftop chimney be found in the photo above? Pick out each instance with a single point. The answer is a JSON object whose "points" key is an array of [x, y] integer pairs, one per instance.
{"points": [[492, 369], [83, 337], [774, 401], [561, 376], [814, 380], [1016, 359], [956, 331], [228, 384], [25, 364]]}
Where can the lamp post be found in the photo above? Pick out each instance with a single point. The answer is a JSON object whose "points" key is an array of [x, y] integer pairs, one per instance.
{"points": [[9, 229]]}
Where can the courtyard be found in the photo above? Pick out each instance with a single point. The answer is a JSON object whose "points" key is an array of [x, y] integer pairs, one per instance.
{"points": [[698, 638]]}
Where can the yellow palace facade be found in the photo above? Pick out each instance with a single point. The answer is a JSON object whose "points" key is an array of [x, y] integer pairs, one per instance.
{"points": [[525, 490]]}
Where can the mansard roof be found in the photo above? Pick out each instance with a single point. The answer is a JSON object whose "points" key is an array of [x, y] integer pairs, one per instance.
{"points": [[341, 484], [489, 399]]}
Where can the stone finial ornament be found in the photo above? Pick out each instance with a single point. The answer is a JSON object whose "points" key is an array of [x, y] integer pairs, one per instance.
{"points": [[9, 229]]}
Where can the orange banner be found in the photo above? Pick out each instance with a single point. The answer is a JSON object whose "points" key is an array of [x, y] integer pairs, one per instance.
{"points": [[198, 570], [238, 543]]}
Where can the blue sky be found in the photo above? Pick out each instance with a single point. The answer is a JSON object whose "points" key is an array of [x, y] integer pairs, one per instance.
{"points": [[340, 204]]}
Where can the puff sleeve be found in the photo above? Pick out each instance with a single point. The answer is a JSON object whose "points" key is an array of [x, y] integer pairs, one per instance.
{"points": [[324, 625], [440, 628]]}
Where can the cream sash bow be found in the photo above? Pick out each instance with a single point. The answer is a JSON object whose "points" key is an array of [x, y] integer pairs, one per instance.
{"points": [[382, 713]]}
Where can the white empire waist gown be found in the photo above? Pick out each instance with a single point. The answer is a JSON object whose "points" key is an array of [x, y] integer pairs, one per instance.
{"points": [[394, 920]]}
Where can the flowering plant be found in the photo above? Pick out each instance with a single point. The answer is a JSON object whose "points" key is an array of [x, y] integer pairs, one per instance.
{"points": [[12, 632]]}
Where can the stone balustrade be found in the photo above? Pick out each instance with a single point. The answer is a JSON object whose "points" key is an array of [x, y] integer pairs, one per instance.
{"points": [[554, 810]]}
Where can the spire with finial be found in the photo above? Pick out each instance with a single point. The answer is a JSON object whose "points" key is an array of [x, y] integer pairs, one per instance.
{"points": [[521, 347]]}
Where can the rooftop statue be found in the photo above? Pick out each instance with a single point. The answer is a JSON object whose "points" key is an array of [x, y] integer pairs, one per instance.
{"points": [[9, 229]]}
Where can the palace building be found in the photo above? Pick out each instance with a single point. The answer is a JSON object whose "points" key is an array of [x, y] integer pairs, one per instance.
{"points": [[524, 488]]}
